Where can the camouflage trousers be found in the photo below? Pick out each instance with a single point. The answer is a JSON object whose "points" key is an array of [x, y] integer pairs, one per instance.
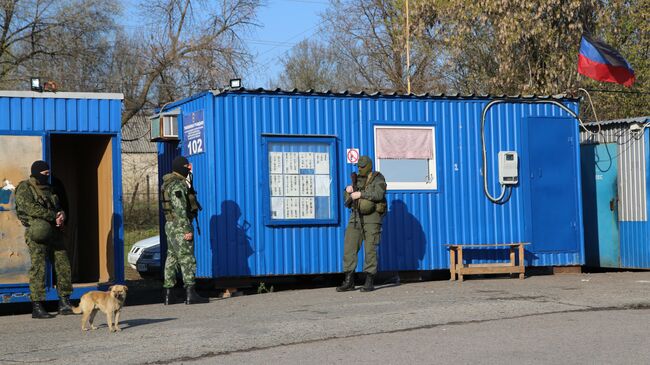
{"points": [[39, 253], [352, 244], [180, 253]]}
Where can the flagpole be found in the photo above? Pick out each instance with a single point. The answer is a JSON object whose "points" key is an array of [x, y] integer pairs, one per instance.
{"points": [[408, 52]]}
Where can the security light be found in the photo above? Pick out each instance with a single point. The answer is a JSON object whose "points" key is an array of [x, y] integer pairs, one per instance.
{"points": [[36, 84], [235, 83]]}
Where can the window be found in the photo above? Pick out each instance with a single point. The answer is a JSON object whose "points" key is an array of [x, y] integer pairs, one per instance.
{"points": [[300, 184], [406, 156]]}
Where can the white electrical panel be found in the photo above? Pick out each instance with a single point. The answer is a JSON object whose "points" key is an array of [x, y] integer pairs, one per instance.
{"points": [[508, 167]]}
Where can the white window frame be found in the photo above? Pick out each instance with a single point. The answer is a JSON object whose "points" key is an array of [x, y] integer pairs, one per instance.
{"points": [[433, 173]]}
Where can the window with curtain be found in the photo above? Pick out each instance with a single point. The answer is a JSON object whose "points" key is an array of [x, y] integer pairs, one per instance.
{"points": [[406, 156]]}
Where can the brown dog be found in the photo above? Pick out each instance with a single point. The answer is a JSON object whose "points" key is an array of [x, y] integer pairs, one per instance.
{"points": [[109, 302]]}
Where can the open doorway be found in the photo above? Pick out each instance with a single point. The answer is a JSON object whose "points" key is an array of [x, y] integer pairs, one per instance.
{"points": [[82, 169]]}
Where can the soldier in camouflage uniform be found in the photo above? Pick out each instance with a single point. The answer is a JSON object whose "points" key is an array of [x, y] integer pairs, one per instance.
{"points": [[39, 210], [180, 207], [368, 203]]}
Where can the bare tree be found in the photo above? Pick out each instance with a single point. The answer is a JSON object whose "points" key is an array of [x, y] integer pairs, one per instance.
{"points": [[188, 44], [53, 37], [310, 65], [369, 38]]}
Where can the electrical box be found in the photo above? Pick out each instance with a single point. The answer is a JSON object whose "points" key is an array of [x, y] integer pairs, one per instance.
{"points": [[508, 168]]}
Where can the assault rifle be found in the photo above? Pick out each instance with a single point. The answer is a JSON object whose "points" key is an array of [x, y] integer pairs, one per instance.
{"points": [[355, 204]]}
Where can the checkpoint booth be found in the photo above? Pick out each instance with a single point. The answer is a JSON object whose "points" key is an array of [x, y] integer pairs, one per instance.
{"points": [[78, 134]]}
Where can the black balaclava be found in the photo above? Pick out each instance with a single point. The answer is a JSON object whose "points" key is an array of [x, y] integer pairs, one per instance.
{"points": [[37, 168], [178, 165]]}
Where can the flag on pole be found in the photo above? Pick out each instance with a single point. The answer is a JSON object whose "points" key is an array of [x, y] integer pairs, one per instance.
{"points": [[601, 62]]}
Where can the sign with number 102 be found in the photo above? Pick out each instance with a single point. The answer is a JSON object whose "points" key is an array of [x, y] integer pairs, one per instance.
{"points": [[193, 133]]}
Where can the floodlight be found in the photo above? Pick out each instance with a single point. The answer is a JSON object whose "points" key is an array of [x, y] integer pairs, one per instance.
{"points": [[35, 83], [235, 83]]}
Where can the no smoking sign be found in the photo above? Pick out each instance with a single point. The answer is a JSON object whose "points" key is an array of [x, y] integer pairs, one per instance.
{"points": [[353, 155]]}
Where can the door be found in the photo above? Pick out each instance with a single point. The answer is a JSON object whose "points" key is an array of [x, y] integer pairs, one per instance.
{"points": [[17, 153], [600, 196], [82, 168], [553, 177]]}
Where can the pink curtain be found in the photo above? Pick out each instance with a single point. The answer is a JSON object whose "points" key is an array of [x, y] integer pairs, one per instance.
{"points": [[404, 143]]}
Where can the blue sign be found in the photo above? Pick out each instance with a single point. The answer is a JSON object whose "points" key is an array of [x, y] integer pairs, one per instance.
{"points": [[193, 133]]}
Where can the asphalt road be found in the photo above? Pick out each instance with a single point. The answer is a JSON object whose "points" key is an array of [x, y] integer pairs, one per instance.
{"points": [[595, 318]]}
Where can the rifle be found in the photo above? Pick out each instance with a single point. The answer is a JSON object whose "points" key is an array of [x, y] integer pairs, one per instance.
{"points": [[195, 206], [355, 204]]}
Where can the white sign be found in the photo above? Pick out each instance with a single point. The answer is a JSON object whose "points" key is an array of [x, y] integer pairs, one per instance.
{"points": [[322, 163], [275, 162], [277, 185], [292, 208], [306, 185], [291, 160], [291, 185], [307, 210], [306, 160], [277, 208], [352, 155], [322, 185]]}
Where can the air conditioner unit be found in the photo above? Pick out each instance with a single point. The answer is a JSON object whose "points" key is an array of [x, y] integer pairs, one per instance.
{"points": [[164, 126]]}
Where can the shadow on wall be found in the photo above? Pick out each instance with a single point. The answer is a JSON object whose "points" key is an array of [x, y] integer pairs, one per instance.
{"points": [[231, 245], [403, 241]]}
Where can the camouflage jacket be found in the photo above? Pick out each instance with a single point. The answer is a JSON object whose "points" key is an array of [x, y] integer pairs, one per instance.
{"points": [[176, 205], [35, 201], [374, 191]]}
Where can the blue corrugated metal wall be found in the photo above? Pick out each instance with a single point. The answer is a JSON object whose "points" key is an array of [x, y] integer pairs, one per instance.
{"points": [[28, 113], [41, 115], [635, 245], [235, 241]]}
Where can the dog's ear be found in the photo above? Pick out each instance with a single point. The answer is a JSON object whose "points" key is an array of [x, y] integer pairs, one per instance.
{"points": [[110, 288]]}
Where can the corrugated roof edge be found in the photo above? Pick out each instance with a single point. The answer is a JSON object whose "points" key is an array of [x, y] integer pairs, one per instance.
{"points": [[241, 90], [59, 95], [394, 94], [620, 121]]}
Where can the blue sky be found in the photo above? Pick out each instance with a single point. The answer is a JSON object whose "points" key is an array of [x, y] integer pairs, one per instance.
{"points": [[282, 24]]}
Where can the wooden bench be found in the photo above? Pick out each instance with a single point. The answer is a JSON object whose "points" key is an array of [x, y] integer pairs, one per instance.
{"points": [[458, 267]]}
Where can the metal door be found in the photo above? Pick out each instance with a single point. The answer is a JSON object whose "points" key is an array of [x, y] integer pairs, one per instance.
{"points": [[600, 174], [553, 170]]}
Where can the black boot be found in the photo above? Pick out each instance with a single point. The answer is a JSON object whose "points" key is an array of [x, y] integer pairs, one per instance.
{"points": [[169, 296], [64, 305], [38, 311], [348, 283], [368, 286], [193, 297]]}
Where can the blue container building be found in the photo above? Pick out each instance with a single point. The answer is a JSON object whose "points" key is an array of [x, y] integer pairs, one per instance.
{"points": [[270, 167], [615, 157], [79, 135]]}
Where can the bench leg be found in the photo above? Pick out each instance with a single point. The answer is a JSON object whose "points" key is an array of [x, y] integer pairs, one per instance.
{"points": [[460, 266], [521, 262], [452, 263]]}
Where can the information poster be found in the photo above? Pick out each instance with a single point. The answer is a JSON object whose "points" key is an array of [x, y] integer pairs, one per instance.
{"points": [[300, 181]]}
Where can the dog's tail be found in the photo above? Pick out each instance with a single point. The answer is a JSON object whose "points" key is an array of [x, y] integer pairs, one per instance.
{"points": [[77, 310]]}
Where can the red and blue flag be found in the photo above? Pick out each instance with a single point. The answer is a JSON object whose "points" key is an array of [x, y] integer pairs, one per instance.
{"points": [[601, 62]]}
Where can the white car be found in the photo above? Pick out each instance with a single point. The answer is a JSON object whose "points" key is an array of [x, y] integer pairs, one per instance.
{"points": [[145, 255]]}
